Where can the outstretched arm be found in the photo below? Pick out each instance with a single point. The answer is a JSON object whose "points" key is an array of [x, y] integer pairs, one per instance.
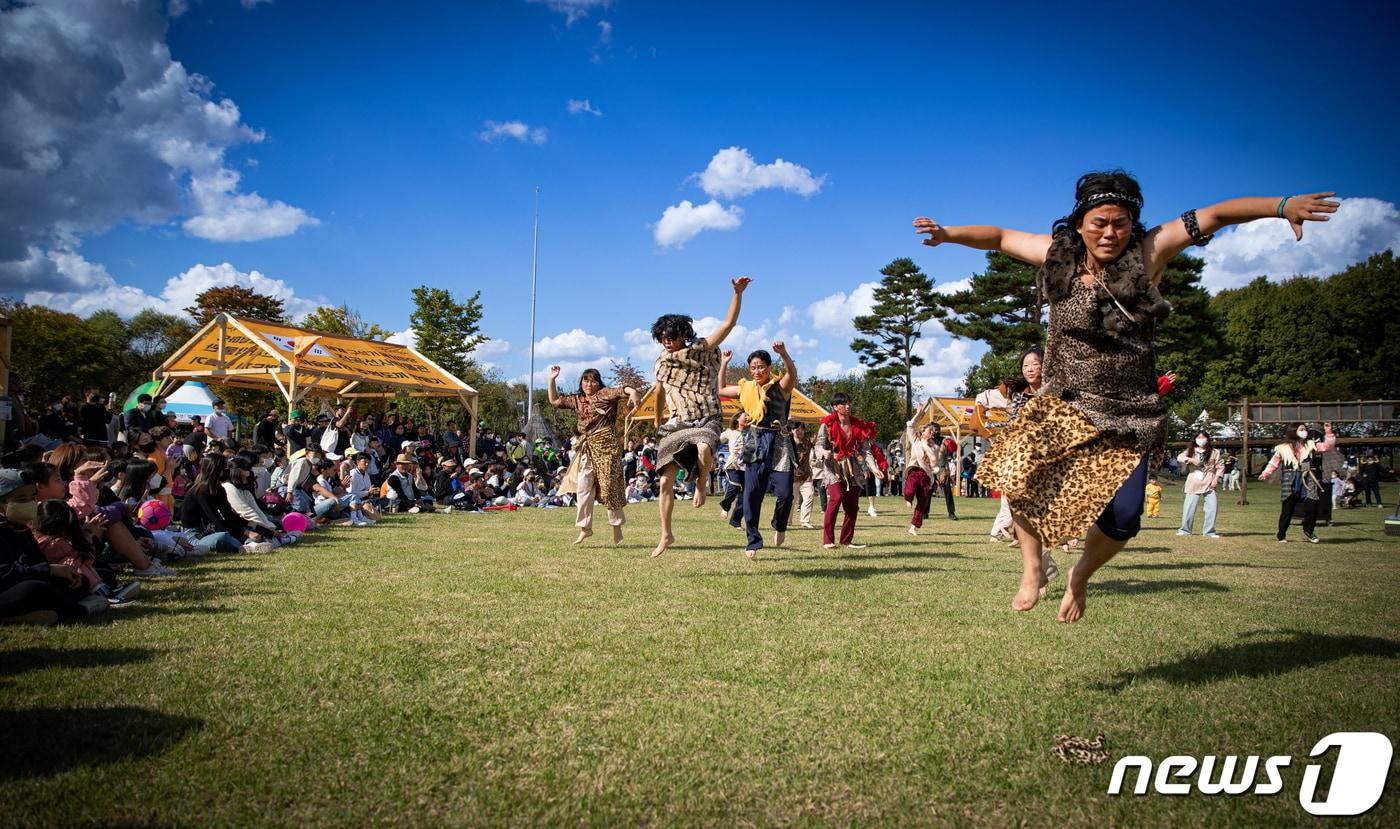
{"points": [[789, 379], [1170, 238], [1028, 247], [732, 318]]}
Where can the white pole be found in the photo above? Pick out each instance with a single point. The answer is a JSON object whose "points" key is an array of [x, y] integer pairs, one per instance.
{"points": [[534, 269]]}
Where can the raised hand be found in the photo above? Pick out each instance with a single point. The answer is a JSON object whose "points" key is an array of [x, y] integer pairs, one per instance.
{"points": [[554, 372], [1309, 207], [936, 234], [728, 354], [780, 347], [740, 284]]}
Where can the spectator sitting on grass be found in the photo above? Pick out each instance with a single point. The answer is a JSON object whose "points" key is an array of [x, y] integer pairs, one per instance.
{"points": [[330, 498], [32, 590], [238, 489], [207, 514], [360, 490], [403, 493]]}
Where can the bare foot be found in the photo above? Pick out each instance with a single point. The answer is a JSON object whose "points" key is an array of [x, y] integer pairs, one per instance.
{"points": [[778, 539], [617, 536], [751, 554], [699, 497], [666, 541], [1072, 607], [1027, 596], [829, 546], [582, 534], [913, 530]]}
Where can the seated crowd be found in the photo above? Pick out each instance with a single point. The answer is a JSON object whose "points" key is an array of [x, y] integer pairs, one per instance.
{"points": [[93, 500]]}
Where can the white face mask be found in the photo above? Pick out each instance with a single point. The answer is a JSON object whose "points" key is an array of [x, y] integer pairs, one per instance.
{"points": [[1201, 442], [155, 482], [1302, 434]]}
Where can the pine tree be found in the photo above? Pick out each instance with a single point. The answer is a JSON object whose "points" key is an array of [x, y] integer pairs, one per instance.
{"points": [[999, 309], [904, 301], [446, 330]]}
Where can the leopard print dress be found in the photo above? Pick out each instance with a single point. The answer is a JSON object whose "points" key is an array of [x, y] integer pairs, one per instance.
{"points": [[1096, 416]]}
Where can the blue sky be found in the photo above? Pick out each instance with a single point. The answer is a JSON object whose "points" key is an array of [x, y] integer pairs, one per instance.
{"points": [[348, 151]]}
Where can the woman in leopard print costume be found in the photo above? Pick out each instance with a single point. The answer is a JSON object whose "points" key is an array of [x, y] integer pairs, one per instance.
{"points": [[1078, 455]]}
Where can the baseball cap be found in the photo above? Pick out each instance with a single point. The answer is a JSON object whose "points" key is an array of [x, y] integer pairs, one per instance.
{"points": [[11, 480]]}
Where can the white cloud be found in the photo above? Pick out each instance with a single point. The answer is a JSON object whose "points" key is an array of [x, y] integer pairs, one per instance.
{"points": [[733, 173], [574, 344], [682, 222], [492, 348], [226, 215], [407, 337], [605, 30], [518, 130], [98, 125], [954, 286], [573, 10], [1359, 228], [833, 370], [833, 314], [89, 288], [177, 8], [788, 315], [641, 347], [584, 107], [569, 371]]}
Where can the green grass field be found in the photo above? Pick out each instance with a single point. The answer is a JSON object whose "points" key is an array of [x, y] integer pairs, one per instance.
{"points": [[470, 670]]}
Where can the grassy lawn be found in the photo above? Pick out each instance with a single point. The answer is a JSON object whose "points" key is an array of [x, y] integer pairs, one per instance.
{"points": [[469, 669]]}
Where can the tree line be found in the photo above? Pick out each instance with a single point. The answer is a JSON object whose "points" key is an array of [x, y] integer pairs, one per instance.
{"points": [[1303, 338]]}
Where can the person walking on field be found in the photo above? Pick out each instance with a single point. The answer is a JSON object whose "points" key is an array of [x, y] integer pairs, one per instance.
{"points": [[1079, 454], [1203, 468], [596, 468], [1298, 485]]}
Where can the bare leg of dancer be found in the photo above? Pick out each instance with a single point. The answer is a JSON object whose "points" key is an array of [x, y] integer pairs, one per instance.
{"points": [[1032, 571], [705, 458], [1098, 549], [665, 502]]}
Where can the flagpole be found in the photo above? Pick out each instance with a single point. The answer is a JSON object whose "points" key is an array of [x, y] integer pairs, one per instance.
{"points": [[534, 269]]}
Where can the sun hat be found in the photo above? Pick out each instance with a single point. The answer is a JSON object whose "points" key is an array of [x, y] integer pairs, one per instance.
{"points": [[404, 458], [448, 462]]}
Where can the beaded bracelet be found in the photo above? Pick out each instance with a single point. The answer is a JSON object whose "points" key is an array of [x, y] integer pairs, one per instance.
{"points": [[1194, 228], [1281, 202]]}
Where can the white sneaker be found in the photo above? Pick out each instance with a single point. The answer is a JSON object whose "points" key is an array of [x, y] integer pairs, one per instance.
{"points": [[359, 522], [155, 571], [873, 513], [1213, 535], [914, 531], [1182, 532], [856, 546], [257, 547]]}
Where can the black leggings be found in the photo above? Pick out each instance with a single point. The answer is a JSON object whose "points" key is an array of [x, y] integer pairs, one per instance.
{"points": [[1122, 518], [1285, 515], [38, 594]]}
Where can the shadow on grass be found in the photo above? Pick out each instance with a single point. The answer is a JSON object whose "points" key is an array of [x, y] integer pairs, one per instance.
{"points": [[1198, 565], [33, 659], [1136, 587], [837, 572], [1282, 652], [872, 556], [46, 741]]}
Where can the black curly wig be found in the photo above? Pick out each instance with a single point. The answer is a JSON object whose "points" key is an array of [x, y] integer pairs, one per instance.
{"points": [[674, 326]]}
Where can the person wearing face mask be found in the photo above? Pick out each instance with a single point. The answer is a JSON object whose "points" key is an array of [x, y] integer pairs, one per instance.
{"points": [[219, 424], [1299, 484], [137, 420], [33, 591], [1203, 467], [768, 451], [1077, 458], [595, 473]]}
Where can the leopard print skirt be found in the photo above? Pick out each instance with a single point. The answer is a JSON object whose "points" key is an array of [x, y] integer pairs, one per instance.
{"points": [[1056, 469]]}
